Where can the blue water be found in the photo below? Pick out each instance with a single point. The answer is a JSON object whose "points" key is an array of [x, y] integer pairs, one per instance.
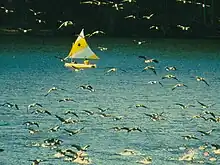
{"points": [[28, 70]]}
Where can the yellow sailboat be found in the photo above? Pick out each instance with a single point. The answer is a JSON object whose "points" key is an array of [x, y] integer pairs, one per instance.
{"points": [[81, 50]]}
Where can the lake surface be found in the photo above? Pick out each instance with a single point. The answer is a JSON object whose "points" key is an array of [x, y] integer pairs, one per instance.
{"points": [[28, 69]]}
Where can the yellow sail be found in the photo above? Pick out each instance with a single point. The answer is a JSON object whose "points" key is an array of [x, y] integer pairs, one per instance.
{"points": [[80, 49]]}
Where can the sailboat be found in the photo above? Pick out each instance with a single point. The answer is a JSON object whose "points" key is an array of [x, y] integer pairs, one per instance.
{"points": [[81, 50]]}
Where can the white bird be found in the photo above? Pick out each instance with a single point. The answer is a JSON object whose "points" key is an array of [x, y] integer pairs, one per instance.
{"points": [[112, 70], [129, 1], [130, 16], [148, 17], [154, 27], [95, 32], [40, 21], [184, 1], [66, 23], [102, 48], [139, 42], [25, 30], [35, 13], [7, 10], [118, 6], [183, 27]]}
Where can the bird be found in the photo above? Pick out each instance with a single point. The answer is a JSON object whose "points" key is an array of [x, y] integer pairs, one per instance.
{"points": [[36, 161], [139, 42], [210, 113], [140, 105], [102, 109], [131, 129], [28, 123], [54, 129], [185, 28], [206, 132], [79, 148], [88, 87], [155, 82], [73, 132], [102, 48], [152, 68], [71, 112], [170, 76], [94, 33], [130, 16], [118, 6], [169, 68], [36, 13], [66, 99], [33, 105], [10, 105], [88, 112], [52, 89], [204, 105], [154, 27], [65, 24], [112, 70], [184, 106], [7, 10], [146, 60], [65, 121], [41, 111], [147, 160], [33, 131], [25, 30], [129, 1], [155, 116], [202, 79], [148, 17], [178, 85], [61, 59], [94, 2], [187, 137], [40, 21]]}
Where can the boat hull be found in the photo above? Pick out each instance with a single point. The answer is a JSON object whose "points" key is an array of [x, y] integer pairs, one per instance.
{"points": [[79, 66]]}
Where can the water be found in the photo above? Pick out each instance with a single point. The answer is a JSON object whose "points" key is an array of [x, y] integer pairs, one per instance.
{"points": [[28, 70]]}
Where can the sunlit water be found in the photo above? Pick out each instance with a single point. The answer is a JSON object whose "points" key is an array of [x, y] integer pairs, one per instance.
{"points": [[28, 70]]}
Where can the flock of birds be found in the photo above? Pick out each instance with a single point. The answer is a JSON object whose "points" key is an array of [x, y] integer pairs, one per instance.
{"points": [[78, 154], [117, 6]]}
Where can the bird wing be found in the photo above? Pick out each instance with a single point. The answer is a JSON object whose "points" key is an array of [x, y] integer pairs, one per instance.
{"points": [[60, 118], [61, 25], [142, 57]]}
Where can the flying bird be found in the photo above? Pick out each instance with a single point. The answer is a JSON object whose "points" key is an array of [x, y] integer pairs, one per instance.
{"points": [[88, 87], [148, 17], [178, 85], [169, 68], [52, 89], [79, 148], [201, 79], [139, 43], [7, 10], [33, 105], [65, 24], [94, 33], [73, 132], [28, 123], [130, 16], [185, 28], [10, 105], [204, 105], [152, 68], [36, 13], [170, 76], [184, 106], [25, 30]]}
